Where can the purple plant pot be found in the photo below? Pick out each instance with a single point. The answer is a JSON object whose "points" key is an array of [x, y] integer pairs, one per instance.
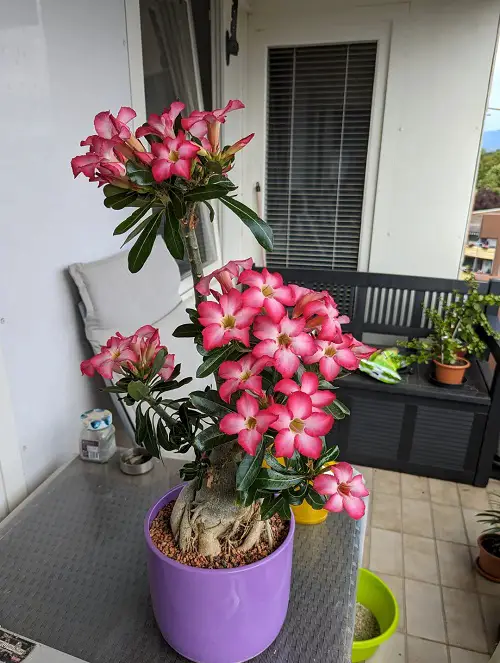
{"points": [[219, 615]]}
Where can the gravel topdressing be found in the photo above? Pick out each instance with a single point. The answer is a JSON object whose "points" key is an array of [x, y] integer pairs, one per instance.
{"points": [[163, 539], [366, 625]]}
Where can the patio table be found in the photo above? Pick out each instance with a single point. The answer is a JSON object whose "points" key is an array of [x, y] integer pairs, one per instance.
{"points": [[73, 572]]}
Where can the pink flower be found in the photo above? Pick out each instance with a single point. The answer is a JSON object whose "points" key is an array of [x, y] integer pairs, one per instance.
{"points": [[361, 350], [226, 320], [116, 353], [146, 345], [109, 126], [332, 357], [207, 123], [302, 297], [345, 490], [267, 291], [224, 275], [173, 157], [323, 314], [103, 163], [243, 374], [239, 145], [283, 341], [299, 427], [249, 423], [162, 125], [309, 385]]}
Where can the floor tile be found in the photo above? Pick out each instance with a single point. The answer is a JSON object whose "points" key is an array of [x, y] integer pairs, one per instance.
{"points": [[392, 651], [464, 656], [443, 492], [419, 556], [493, 486], [473, 528], [494, 500], [386, 512], [387, 482], [386, 552], [417, 517], [490, 606], [455, 566], [395, 584], [367, 473], [448, 523], [484, 586], [463, 620], [472, 497], [425, 651], [416, 488], [424, 612]]}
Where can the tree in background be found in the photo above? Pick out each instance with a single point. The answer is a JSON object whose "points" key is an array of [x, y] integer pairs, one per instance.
{"points": [[488, 181]]}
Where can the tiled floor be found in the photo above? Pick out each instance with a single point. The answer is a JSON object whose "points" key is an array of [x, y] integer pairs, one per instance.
{"points": [[421, 540]]}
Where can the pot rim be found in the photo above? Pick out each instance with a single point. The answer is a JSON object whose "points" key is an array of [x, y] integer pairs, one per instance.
{"points": [[455, 367], [480, 540], [153, 512]]}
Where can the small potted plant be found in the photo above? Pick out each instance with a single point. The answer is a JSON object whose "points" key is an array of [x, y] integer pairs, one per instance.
{"points": [[488, 563], [220, 546], [454, 334]]}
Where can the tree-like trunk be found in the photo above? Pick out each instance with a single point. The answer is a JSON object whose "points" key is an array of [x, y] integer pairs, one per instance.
{"points": [[209, 521]]}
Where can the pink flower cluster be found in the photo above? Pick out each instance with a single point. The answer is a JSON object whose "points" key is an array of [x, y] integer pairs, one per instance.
{"points": [[135, 353], [175, 154]]}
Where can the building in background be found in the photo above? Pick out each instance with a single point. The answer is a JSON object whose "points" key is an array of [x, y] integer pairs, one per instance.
{"points": [[483, 237]]}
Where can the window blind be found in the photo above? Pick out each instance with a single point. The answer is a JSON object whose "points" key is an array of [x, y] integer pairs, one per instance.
{"points": [[318, 124]]}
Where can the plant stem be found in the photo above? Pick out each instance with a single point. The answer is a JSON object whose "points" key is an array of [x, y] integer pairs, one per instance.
{"points": [[188, 229]]}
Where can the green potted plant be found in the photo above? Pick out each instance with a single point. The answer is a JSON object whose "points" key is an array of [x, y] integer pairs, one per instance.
{"points": [[454, 334], [488, 562]]}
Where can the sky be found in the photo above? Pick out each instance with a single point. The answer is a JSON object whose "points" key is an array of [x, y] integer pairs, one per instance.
{"points": [[492, 121]]}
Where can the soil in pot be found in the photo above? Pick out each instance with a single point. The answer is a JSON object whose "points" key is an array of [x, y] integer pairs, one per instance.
{"points": [[366, 625], [451, 373], [163, 538]]}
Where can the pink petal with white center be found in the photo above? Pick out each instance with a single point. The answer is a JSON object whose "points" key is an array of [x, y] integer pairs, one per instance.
{"points": [[238, 334], [335, 503], [210, 313], [264, 328], [188, 150], [329, 368], [274, 279], [203, 285], [300, 405], [103, 124], [286, 386], [322, 398], [232, 423], [230, 302], [342, 472], [303, 344], [274, 309], [265, 348], [284, 443], [357, 486], [162, 169], [247, 405], [347, 359], [283, 416], [176, 107], [251, 278], [145, 157], [249, 440], [253, 297], [160, 150], [292, 327], [230, 369], [309, 383], [309, 445], [198, 129], [256, 365], [103, 364], [253, 383], [284, 294], [213, 337], [182, 168], [354, 506], [227, 389], [87, 368], [233, 104], [325, 484], [264, 420], [125, 114], [245, 316], [319, 423], [285, 361]]}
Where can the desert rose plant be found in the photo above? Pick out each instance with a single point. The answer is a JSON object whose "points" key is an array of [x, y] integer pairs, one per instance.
{"points": [[273, 349]]}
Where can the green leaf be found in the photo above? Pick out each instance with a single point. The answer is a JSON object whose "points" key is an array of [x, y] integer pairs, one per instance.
{"points": [[171, 233], [337, 409], [296, 495], [220, 180], [115, 390], [136, 231], [215, 358], [211, 210], [272, 480], [270, 505], [261, 230], [163, 438], [138, 390], [158, 363], [206, 192], [314, 499], [186, 331], [149, 440], [110, 190], [209, 402], [275, 464], [178, 203], [161, 387], [120, 200], [327, 456], [141, 250], [140, 175], [140, 426], [210, 437], [249, 468], [132, 219]]}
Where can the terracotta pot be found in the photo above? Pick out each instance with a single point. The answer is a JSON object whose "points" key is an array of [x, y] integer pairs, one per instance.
{"points": [[451, 373], [488, 563]]}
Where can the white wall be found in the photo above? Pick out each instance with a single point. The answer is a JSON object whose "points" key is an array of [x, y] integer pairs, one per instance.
{"points": [[61, 62], [435, 60]]}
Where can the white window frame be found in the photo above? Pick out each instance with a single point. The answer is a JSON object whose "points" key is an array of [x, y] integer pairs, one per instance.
{"points": [[138, 98]]}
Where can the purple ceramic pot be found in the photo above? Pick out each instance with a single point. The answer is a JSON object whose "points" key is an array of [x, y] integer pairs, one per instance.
{"points": [[219, 615]]}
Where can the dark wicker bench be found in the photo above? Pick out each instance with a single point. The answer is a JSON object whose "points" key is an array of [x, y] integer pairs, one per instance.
{"points": [[413, 426]]}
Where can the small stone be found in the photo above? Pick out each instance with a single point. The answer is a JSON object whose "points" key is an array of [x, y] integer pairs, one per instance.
{"points": [[366, 625]]}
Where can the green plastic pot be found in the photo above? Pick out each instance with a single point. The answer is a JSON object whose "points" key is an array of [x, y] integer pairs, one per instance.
{"points": [[377, 597]]}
